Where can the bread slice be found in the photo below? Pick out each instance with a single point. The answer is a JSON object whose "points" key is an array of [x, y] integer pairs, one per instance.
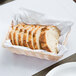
{"points": [[55, 31], [19, 28], [49, 39], [15, 35], [26, 35], [11, 36], [30, 38], [36, 35], [12, 32], [20, 35]]}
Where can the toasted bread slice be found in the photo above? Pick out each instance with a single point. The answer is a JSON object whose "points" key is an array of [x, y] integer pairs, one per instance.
{"points": [[26, 35], [30, 38], [49, 39], [14, 28]]}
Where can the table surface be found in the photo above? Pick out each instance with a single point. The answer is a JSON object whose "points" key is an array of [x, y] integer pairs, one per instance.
{"points": [[61, 10]]}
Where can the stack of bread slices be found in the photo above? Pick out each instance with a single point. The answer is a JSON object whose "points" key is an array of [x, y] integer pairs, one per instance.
{"points": [[35, 36]]}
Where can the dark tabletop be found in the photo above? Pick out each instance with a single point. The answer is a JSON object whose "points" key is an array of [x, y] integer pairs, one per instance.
{"points": [[5, 1]]}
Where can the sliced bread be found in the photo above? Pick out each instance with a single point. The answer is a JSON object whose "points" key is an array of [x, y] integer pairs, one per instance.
{"points": [[49, 39], [36, 35], [12, 32], [26, 35], [30, 38], [15, 35], [20, 35]]}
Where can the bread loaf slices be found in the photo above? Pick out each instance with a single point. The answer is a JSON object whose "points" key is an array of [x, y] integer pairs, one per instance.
{"points": [[30, 37], [12, 32], [14, 28], [15, 35], [20, 35], [19, 28], [25, 36], [36, 37], [49, 39]]}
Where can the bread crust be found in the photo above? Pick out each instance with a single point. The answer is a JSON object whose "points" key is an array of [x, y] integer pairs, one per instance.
{"points": [[20, 35], [16, 34], [17, 29], [43, 43], [24, 39], [14, 37], [19, 39], [30, 40], [25, 43], [35, 38], [12, 34]]}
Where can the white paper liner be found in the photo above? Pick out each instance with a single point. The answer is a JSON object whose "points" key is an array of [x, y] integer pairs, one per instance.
{"points": [[32, 17]]}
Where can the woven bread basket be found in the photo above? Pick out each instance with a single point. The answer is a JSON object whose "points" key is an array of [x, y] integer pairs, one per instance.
{"points": [[41, 55]]}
